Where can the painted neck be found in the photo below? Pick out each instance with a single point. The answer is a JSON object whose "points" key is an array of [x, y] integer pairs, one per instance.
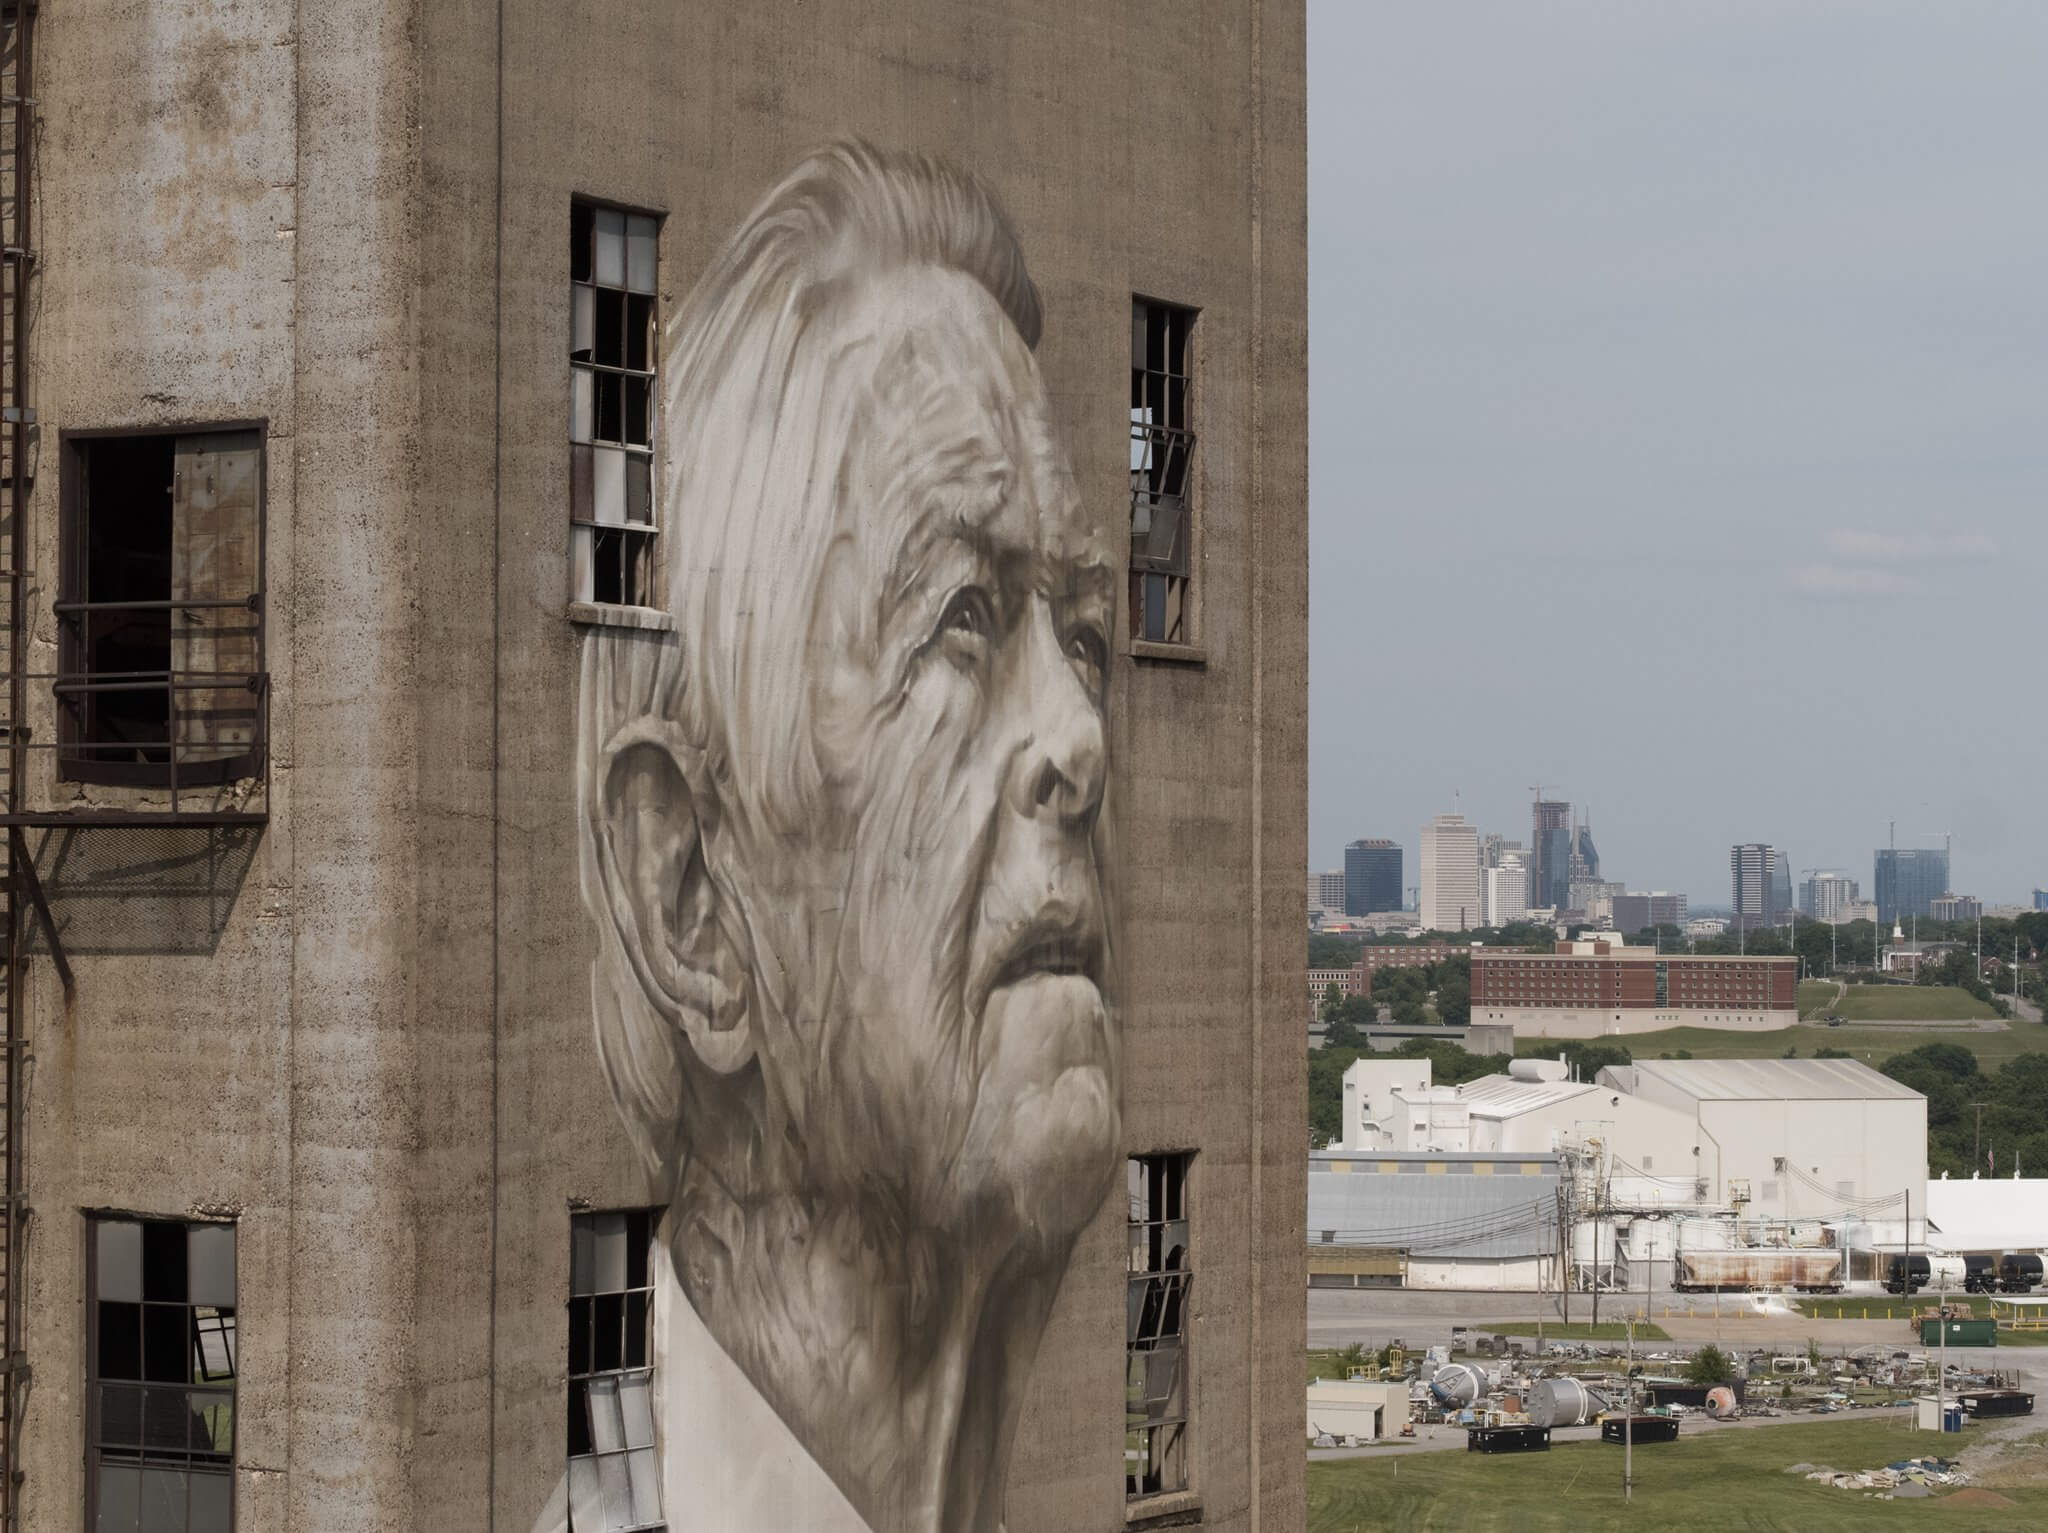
{"points": [[896, 1357]]}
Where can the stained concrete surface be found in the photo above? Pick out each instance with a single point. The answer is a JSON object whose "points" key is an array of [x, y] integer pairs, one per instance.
{"points": [[349, 223]]}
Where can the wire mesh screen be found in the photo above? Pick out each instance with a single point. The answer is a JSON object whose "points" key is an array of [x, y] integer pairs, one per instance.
{"points": [[140, 888]]}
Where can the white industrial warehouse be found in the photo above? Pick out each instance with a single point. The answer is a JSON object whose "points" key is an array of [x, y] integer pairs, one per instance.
{"points": [[1693, 1173]]}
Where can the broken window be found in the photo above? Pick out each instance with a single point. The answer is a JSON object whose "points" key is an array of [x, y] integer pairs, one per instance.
{"points": [[1156, 1327], [612, 351], [614, 1477], [160, 612], [1162, 459], [160, 1377]]}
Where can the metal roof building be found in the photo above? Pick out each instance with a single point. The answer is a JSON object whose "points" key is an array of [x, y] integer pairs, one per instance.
{"points": [[1685, 1081], [1457, 1220], [1795, 1138]]}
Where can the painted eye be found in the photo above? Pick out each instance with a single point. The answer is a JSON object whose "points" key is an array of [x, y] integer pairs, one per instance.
{"points": [[968, 618], [1089, 648]]}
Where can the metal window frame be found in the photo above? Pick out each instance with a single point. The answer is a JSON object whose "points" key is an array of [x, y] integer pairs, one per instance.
{"points": [[637, 543], [1179, 1288], [91, 1446], [1185, 438], [649, 1369], [72, 675]]}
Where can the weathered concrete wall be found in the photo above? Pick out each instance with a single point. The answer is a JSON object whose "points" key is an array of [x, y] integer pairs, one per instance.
{"points": [[263, 210], [1130, 158], [167, 212]]}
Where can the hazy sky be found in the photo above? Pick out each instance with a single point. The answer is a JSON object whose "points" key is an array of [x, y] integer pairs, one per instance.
{"points": [[1679, 437]]}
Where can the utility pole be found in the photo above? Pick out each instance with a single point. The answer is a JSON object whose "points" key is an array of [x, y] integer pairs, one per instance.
{"points": [[1567, 1224], [1628, 1420]]}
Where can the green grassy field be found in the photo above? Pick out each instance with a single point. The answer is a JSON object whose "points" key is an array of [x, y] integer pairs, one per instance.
{"points": [[1558, 1331], [1873, 1045], [1705, 1482], [1816, 996], [1909, 1003]]}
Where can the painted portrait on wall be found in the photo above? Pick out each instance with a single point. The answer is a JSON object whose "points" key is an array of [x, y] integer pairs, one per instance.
{"points": [[844, 841]]}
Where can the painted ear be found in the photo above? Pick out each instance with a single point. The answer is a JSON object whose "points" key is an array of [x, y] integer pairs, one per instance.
{"points": [[662, 901]]}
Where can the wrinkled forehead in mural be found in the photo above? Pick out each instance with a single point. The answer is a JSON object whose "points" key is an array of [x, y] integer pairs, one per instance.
{"points": [[843, 839]]}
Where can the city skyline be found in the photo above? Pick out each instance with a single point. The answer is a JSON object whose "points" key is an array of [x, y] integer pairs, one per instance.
{"points": [[1701, 335], [1714, 895]]}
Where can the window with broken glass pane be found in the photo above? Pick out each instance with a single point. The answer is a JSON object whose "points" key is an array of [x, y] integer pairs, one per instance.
{"points": [[160, 608], [1162, 465], [612, 403], [1156, 1326], [160, 1377], [614, 1478]]}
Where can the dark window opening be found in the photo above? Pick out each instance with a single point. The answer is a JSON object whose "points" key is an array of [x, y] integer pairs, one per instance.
{"points": [[612, 403], [160, 1377], [160, 615], [1162, 470], [614, 1471], [1161, 1271]]}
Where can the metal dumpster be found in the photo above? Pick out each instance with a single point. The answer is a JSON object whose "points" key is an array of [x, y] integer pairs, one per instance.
{"points": [[1960, 1333]]}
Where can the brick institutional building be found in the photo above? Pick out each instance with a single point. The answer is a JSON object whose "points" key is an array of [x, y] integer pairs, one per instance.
{"points": [[1593, 988]]}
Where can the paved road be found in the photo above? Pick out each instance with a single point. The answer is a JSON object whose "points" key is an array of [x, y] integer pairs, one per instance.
{"points": [[1841, 990]]}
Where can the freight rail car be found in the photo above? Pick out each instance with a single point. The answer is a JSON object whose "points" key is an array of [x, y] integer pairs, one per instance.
{"points": [[1742, 1268]]}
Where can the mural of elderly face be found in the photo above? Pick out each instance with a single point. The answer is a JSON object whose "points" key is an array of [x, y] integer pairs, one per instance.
{"points": [[844, 833]]}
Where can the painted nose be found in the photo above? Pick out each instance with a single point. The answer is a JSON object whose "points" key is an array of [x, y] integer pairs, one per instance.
{"points": [[1058, 775]]}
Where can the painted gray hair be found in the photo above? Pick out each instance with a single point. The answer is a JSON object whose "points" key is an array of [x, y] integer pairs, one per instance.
{"points": [[758, 409]]}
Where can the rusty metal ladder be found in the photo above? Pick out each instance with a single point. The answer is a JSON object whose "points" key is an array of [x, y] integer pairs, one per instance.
{"points": [[17, 867]]}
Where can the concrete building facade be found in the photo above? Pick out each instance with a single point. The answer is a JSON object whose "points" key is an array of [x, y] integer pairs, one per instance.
{"points": [[320, 281], [1758, 884], [1504, 890], [1633, 912], [1450, 874], [1326, 891], [1825, 896]]}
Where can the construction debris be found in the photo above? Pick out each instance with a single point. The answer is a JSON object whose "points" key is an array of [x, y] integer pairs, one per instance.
{"points": [[1908, 1477]]}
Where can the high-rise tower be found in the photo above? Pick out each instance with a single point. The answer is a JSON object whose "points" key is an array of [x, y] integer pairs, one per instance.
{"points": [[1550, 853]]}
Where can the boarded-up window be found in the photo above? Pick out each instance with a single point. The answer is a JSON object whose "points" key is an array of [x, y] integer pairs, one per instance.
{"points": [[161, 613]]}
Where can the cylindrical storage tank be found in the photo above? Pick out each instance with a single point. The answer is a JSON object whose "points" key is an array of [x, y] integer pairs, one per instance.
{"points": [[1457, 1384], [1945, 1272], [1981, 1273], [1562, 1402], [2018, 1272], [1537, 1070], [1720, 1402]]}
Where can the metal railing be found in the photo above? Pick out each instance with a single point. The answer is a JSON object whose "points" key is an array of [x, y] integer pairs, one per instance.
{"points": [[232, 762]]}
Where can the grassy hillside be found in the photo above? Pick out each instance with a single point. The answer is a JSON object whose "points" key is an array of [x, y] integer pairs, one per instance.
{"points": [[1872, 1045], [1909, 1003]]}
